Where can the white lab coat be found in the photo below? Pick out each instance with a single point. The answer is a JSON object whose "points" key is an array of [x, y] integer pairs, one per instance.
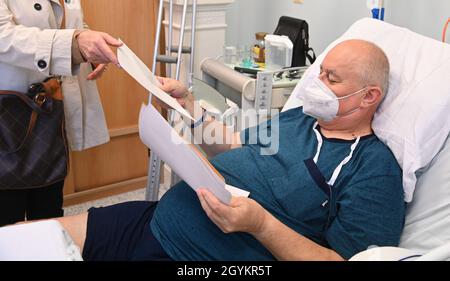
{"points": [[32, 48]]}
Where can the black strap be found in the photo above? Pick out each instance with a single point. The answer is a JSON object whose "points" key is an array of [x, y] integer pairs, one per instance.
{"points": [[317, 176], [312, 58]]}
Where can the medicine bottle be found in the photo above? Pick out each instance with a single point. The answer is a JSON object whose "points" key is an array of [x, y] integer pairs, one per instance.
{"points": [[259, 47]]}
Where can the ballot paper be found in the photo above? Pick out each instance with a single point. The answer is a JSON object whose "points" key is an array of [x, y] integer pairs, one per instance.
{"points": [[183, 158], [140, 72]]}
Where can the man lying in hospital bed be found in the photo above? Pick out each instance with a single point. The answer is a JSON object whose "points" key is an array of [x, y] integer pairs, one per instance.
{"points": [[277, 222], [331, 190]]}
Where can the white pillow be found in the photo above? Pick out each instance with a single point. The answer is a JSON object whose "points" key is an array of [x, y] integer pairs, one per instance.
{"points": [[413, 121], [427, 223]]}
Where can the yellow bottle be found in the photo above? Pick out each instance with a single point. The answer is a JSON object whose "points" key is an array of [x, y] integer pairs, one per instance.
{"points": [[259, 48]]}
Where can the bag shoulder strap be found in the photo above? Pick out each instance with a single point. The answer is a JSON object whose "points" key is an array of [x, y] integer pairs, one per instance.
{"points": [[33, 118], [25, 99], [63, 7]]}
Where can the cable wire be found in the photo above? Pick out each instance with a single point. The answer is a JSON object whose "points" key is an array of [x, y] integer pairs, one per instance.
{"points": [[444, 32]]}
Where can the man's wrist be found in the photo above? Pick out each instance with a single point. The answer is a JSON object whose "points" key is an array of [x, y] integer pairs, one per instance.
{"points": [[264, 225], [200, 120], [190, 103]]}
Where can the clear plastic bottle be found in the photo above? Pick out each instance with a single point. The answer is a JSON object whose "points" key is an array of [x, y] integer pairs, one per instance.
{"points": [[259, 47]]}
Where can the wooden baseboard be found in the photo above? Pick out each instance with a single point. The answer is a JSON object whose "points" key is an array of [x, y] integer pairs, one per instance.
{"points": [[104, 191]]}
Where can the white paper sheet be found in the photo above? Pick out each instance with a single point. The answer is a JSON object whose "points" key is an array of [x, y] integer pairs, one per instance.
{"points": [[183, 158], [236, 192], [140, 72]]}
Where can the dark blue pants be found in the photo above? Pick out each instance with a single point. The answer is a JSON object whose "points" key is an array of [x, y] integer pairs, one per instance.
{"points": [[122, 233]]}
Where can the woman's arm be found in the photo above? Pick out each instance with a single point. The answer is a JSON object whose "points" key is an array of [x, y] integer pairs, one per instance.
{"points": [[49, 51]]}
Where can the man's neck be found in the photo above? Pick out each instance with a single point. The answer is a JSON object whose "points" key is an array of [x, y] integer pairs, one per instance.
{"points": [[349, 132], [358, 124], [346, 135]]}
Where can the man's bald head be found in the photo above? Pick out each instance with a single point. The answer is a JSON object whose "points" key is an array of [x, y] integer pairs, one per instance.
{"points": [[367, 60]]}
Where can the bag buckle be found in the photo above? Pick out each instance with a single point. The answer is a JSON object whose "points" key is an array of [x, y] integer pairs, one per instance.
{"points": [[40, 99], [36, 89], [37, 92]]}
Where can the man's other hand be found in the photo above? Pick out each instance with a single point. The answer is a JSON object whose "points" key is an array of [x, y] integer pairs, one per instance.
{"points": [[242, 215]]}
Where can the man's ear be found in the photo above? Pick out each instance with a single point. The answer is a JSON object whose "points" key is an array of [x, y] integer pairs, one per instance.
{"points": [[373, 96]]}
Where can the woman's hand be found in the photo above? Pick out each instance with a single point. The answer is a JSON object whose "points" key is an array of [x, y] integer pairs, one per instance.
{"points": [[242, 215], [96, 47], [97, 72]]}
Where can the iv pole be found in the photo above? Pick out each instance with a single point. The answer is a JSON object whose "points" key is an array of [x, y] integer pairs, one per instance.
{"points": [[377, 9]]}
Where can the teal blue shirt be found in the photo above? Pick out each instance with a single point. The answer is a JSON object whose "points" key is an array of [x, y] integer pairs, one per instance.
{"points": [[369, 197]]}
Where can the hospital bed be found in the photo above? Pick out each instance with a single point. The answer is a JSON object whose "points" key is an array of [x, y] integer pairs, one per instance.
{"points": [[259, 91], [413, 121]]}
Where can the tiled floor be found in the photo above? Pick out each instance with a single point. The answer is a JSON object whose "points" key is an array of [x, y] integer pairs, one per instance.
{"points": [[137, 195]]}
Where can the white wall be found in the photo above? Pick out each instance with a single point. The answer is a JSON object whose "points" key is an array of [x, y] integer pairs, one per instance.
{"points": [[328, 19], [245, 18], [426, 17]]}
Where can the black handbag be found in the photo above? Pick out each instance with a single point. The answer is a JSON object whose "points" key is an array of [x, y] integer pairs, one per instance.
{"points": [[298, 32], [33, 145]]}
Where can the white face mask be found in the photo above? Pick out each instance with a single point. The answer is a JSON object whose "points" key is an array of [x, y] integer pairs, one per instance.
{"points": [[322, 103]]}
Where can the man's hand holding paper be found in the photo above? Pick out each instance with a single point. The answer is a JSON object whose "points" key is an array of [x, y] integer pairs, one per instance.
{"points": [[140, 72], [156, 133], [179, 92]]}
